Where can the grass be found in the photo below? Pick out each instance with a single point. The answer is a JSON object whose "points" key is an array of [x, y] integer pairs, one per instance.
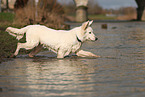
{"points": [[6, 17], [7, 43], [96, 17], [101, 17]]}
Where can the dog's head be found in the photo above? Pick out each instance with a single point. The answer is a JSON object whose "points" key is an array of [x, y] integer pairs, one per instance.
{"points": [[87, 32]]}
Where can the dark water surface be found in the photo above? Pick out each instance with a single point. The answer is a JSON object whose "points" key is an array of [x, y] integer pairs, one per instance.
{"points": [[120, 72]]}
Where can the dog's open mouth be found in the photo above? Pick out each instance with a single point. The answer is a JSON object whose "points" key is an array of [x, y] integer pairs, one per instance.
{"points": [[93, 39]]}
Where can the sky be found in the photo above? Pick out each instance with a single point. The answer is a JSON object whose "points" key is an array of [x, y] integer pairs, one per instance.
{"points": [[107, 4], [116, 3]]}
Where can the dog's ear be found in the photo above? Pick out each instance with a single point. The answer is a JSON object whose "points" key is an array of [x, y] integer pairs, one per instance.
{"points": [[85, 25], [90, 23]]}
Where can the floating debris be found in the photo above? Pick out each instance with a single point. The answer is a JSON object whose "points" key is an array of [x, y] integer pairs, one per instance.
{"points": [[114, 27], [104, 26]]}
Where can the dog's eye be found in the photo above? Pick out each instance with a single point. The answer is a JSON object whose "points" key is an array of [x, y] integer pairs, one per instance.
{"points": [[89, 32]]}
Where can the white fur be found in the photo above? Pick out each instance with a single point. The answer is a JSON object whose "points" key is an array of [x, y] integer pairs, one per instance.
{"points": [[61, 42]]}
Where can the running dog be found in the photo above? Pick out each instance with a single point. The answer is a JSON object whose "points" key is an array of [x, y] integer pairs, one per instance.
{"points": [[61, 42]]}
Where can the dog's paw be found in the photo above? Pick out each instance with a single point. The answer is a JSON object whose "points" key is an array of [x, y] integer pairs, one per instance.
{"points": [[97, 56], [30, 55]]}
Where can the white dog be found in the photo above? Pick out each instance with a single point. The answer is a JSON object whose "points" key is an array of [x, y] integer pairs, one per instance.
{"points": [[61, 42]]}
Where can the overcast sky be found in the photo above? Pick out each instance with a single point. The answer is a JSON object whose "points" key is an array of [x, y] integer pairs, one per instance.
{"points": [[110, 3], [116, 3]]}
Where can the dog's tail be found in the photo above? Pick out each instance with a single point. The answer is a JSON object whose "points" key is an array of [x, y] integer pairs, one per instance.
{"points": [[18, 33]]}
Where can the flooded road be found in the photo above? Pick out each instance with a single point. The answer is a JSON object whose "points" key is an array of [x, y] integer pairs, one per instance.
{"points": [[119, 72]]}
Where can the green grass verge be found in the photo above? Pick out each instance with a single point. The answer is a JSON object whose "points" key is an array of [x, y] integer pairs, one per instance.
{"points": [[101, 17], [6, 17]]}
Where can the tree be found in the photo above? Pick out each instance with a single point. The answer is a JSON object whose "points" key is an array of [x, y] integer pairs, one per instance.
{"points": [[20, 4], [7, 5], [140, 9], [81, 10]]}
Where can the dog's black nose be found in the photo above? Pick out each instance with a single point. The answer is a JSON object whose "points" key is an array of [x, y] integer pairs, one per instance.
{"points": [[96, 38]]}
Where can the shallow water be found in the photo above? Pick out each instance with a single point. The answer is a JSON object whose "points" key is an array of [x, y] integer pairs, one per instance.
{"points": [[119, 72]]}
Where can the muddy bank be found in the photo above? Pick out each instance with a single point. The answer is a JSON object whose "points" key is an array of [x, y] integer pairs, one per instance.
{"points": [[7, 43]]}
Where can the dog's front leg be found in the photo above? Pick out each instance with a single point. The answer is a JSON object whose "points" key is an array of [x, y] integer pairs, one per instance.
{"points": [[83, 53], [60, 54]]}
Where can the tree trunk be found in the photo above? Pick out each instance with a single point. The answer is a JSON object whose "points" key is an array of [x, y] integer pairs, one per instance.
{"points": [[81, 10], [81, 14], [7, 5], [140, 9]]}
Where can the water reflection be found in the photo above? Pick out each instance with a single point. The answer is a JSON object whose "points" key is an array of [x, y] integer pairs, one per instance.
{"points": [[50, 77], [71, 77], [118, 73]]}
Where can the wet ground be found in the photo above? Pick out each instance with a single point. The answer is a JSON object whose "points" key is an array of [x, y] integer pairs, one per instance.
{"points": [[119, 72]]}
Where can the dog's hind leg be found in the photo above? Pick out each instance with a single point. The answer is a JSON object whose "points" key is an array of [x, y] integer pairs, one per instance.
{"points": [[28, 45], [17, 50], [35, 50], [83, 53]]}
